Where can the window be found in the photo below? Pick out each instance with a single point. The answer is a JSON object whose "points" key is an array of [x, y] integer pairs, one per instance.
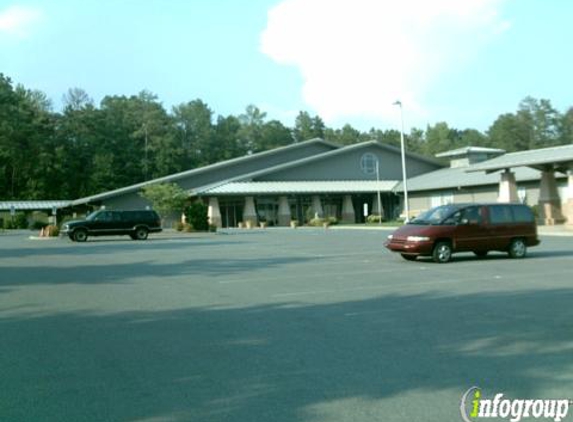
{"points": [[472, 215], [500, 214], [522, 214], [368, 163]]}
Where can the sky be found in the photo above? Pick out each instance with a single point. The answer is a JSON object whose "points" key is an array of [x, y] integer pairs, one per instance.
{"points": [[462, 62]]}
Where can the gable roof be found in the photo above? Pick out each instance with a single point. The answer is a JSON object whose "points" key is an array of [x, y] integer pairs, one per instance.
{"points": [[560, 158], [340, 151], [314, 158], [204, 169]]}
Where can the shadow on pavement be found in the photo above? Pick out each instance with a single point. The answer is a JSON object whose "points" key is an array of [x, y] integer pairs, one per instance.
{"points": [[286, 362]]}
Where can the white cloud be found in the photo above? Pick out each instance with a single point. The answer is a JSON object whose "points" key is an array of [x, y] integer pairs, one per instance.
{"points": [[358, 56], [17, 20]]}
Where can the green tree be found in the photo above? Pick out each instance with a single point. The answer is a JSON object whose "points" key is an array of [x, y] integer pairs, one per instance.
{"points": [[250, 134], [227, 144], [510, 133], [307, 127], [274, 134], [345, 136], [541, 120], [195, 133], [166, 198], [566, 128]]}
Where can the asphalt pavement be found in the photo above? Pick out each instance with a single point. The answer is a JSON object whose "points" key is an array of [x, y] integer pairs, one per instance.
{"points": [[274, 325]]}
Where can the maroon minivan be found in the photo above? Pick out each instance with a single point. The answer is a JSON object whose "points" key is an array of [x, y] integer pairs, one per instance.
{"points": [[477, 228]]}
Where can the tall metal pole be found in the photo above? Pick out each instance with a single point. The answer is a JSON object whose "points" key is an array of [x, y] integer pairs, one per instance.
{"points": [[403, 148], [146, 162], [378, 191]]}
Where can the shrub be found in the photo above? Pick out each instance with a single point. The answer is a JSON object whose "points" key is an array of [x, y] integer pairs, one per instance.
{"points": [[38, 225], [188, 228], [20, 221], [535, 210], [332, 221], [196, 214], [52, 231], [317, 222], [374, 218]]}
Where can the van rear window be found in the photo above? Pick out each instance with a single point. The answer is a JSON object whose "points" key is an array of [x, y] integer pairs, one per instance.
{"points": [[522, 214], [500, 214]]}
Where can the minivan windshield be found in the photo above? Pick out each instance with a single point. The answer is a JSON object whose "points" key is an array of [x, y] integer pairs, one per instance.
{"points": [[435, 215]]}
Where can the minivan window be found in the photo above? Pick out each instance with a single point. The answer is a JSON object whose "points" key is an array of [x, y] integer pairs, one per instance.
{"points": [[522, 214], [471, 215], [435, 215], [500, 214]]}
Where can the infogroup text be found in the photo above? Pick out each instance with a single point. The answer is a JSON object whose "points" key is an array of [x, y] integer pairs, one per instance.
{"points": [[474, 407]]}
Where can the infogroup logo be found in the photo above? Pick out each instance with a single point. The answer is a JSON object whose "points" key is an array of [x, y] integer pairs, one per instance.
{"points": [[474, 407]]}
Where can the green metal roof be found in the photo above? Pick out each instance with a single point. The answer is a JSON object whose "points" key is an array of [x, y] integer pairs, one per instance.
{"points": [[559, 158], [298, 187], [33, 205]]}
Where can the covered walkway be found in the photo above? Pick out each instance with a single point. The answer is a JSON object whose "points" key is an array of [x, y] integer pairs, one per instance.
{"points": [[552, 209]]}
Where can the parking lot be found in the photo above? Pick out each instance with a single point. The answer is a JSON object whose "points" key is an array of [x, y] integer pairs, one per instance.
{"points": [[274, 325]]}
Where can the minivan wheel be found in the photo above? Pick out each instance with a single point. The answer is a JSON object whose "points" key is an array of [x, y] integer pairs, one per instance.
{"points": [[80, 235], [442, 252], [517, 248], [408, 257], [141, 233]]}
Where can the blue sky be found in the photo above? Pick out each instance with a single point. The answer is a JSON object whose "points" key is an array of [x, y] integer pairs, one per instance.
{"points": [[463, 62]]}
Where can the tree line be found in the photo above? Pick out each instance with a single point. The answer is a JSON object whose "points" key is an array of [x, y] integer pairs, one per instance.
{"points": [[87, 148]]}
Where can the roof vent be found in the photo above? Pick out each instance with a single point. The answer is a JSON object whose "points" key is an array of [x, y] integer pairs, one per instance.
{"points": [[466, 156]]}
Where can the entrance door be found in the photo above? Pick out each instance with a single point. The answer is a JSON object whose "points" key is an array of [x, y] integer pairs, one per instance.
{"points": [[231, 214]]}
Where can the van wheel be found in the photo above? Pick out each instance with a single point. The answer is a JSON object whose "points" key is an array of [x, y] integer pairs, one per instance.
{"points": [[80, 235], [141, 233], [442, 252], [517, 248], [481, 254], [408, 257]]}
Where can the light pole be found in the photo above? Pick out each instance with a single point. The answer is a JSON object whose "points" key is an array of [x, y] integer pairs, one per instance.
{"points": [[378, 191], [403, 148], [146, 162]]}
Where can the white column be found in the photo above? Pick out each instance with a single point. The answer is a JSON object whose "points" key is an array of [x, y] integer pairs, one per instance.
{"points": [[549, 201], [348, 215], [284, 214], [317, 206], [214, 213], [507, 187], [568, 208], [375, 206], [249, 211]]}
